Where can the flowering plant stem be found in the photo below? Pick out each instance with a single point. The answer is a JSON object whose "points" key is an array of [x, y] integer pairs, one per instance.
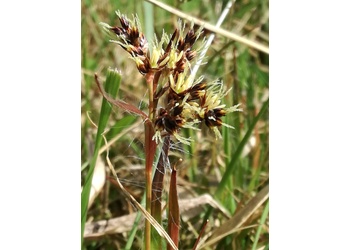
{"points": [[185, 102], [150, 150], [150, 147]]}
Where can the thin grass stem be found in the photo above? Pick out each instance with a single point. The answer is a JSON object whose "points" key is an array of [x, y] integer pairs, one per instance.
{"points": [[211, 37], [212, 28], [262, 221]]}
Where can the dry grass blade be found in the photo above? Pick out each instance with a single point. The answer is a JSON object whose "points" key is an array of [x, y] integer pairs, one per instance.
{"points": [[234, 224], [193, 206], [99, 176], [149, 217], [189, 208], [212, 28], [102, 228], [211, 37], [98, 180]]}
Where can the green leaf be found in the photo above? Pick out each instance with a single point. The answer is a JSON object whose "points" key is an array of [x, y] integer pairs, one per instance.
{"points": [[262, 222], [235, 156], [111, 86]]}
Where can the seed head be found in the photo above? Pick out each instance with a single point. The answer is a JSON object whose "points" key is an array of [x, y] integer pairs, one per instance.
{"points": [[187, 101]]}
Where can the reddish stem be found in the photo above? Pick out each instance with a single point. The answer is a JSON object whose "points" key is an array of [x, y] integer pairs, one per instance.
{"points": [[150, 149], [174, 211]]}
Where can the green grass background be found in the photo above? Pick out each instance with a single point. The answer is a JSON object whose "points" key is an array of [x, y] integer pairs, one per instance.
{"points": [[243, 152]]}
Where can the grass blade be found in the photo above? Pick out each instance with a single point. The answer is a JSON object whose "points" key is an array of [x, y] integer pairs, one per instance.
{"points": [[213, 28], [262, 222], [112, 86], [235, 157], [239, 150], [234, 224]]}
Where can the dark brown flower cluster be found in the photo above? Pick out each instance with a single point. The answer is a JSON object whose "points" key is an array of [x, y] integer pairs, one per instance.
{"points": [[187, 102], [136, 42], [177, 52]]}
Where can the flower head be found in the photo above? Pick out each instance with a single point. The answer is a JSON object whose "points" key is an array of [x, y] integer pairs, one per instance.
{"points": [[173, 53], [187, 102], [211, 109]]}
